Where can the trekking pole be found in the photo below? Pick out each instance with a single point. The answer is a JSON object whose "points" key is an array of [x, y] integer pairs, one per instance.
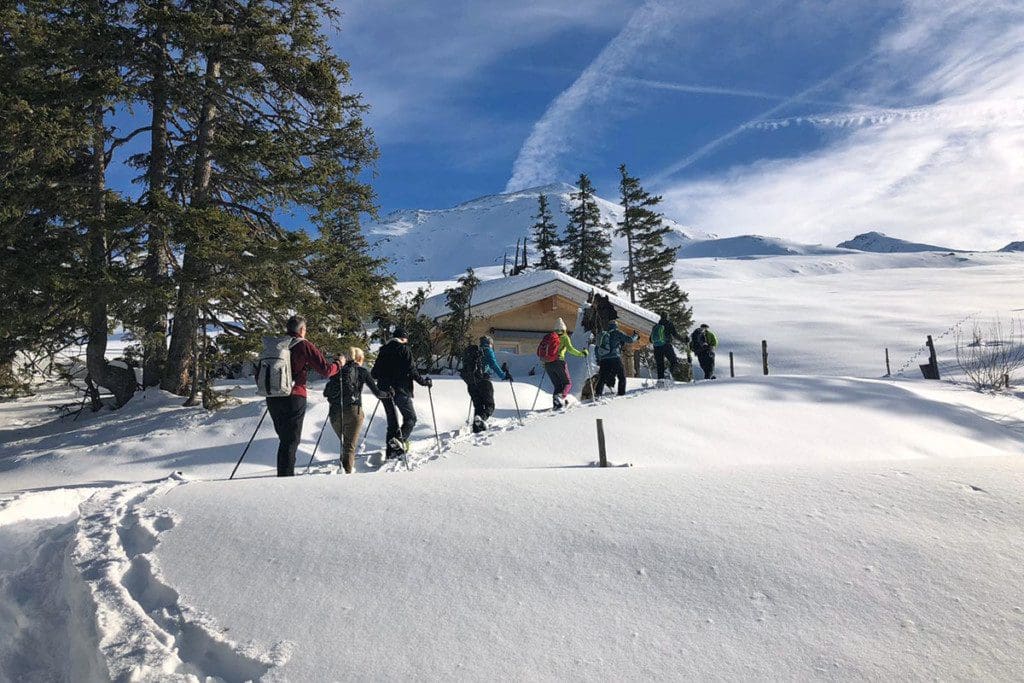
{"points": [[246, 450], [539, 385], [469, 413], [590, 375], [516, 400], [317, 444], [362, 443], [433, 417]]}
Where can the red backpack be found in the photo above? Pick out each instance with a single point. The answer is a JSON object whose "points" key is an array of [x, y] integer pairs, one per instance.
{"points": [[547, 350]]}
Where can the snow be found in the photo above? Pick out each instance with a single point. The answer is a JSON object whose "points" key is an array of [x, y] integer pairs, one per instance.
{"points": [[880, 242], [816, 523], [440, 244], [751, 245]]}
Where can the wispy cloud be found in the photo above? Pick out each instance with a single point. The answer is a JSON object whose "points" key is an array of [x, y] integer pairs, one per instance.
{"points": [[559, 129], [951, 172]]}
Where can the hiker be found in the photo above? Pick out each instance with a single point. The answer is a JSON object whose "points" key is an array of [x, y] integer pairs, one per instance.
{"points": [[703, 342], [287, 410], [344, 393], [476, 362], [661, 338], [395, 372], [609, 358], [551, 351]]}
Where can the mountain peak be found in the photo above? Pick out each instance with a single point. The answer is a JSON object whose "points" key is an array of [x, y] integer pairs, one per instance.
{"points": [[878, 242]]}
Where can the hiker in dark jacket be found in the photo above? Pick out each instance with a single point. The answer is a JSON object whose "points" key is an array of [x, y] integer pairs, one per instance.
{"points": [[661, 338], [704, 342], [609, 358], [344, 393], [395, 371], [288, 412], [476, 362]]}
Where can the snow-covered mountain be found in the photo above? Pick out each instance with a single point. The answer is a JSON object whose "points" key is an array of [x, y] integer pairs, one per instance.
{"points": [[1013, 246], [882, 243], [439, 244], [752, 245]]}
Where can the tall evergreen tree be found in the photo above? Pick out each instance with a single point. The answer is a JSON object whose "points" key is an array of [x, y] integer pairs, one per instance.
{"points": [[456, 326], [545, 236], [587, 244], [648, 277]]}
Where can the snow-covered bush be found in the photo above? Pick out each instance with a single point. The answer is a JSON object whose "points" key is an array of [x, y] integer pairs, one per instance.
{"points": [[990, 355]]}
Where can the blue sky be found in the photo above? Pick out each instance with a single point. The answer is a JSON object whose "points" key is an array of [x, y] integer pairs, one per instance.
{"points": [[812, 120]]}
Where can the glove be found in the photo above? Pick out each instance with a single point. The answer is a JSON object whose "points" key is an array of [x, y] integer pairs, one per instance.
{"points": [[426, 382], [586, 352]]}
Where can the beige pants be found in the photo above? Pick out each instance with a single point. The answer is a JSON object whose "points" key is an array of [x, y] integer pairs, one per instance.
{"points": [[346, 423]]}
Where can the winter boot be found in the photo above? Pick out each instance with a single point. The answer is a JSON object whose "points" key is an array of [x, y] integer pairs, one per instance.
{"points": [[479, 425]]}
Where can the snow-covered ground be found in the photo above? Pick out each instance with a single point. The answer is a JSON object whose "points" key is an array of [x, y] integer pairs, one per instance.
{"points": [[817, 523]]}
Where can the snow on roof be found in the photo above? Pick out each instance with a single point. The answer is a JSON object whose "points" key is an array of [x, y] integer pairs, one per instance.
{"points": [[489, 290]]}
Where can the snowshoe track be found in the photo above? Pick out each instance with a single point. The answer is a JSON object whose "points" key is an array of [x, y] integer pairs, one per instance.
{"points": [[145, 631]]}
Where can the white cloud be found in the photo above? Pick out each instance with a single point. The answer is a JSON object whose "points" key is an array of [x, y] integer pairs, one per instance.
{"points": [[951, 172]]}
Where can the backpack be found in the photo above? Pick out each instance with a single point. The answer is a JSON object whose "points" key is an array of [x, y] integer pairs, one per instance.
{"points": [[699, 340], [472, 365], [604, 346], [547, 350], [658, 335], [274, 367]]}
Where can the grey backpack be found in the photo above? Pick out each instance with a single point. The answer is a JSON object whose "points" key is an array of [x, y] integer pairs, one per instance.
{"points": [[274, 367]]}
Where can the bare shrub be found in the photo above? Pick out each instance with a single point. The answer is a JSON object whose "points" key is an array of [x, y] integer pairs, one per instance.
{"points": [[990, 355]]}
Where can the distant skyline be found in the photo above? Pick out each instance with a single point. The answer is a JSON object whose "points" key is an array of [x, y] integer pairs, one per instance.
{"points": [[810, 120]]}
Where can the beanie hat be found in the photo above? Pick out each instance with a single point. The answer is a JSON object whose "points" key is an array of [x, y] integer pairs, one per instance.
{"points": [[486, 341], [704, 325], [612, 325], [560, 326], [399, 333]]}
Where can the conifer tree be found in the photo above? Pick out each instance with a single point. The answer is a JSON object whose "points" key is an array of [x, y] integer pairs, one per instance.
{"points": [[587, 245], [648, 277], [545, 236], [456, 326]]}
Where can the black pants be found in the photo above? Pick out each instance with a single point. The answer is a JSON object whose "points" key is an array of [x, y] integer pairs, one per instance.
{"points": [[707, 363], [561, 383], [663, 353], [482, 393], [287, 412], [400, 403], [611, 369]]}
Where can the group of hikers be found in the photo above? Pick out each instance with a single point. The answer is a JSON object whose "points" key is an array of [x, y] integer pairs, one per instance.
{"points": [[283, 370]]}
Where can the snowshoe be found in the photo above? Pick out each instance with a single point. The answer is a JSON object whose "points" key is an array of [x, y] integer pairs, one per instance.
{"points": [[479, 425]]}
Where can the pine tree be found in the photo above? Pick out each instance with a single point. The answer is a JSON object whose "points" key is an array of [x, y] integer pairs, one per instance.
{"points": [[545, 236], [587, 245], [456, 326], [648, 277]]}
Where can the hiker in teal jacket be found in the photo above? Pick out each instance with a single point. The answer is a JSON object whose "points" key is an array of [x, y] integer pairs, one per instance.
{"points": [[661, 338], [609, 357]]}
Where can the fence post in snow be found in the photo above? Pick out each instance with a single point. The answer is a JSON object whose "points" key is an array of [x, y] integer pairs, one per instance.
{"points": [[888, 370], [764, 355], [732, 367], [601, 452], [930, 370], [1006, 381]]}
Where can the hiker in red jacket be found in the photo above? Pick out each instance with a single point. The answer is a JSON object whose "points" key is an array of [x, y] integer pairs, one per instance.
{"points": [[287, 412]]}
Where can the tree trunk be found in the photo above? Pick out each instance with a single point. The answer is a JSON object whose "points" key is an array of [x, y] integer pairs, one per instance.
{"points": [[120, 381], [193, 272], [632, 273], [155, 313]]}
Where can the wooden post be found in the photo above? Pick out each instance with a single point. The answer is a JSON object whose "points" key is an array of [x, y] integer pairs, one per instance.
{"points": [[764, 355], [1006, 381], [888, 370], [732, 366], [933, 361], [602, 454]]}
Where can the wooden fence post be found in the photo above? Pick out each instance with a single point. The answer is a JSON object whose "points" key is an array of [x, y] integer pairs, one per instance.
{"points": [[732, 366], [1006, 381], [764, 355], [931, 369], [888, 370], [601, 452]]}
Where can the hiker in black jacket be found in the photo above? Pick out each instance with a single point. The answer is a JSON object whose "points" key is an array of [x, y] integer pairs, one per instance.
{"points": [[395, 372], [344, 393], [661, 338]]}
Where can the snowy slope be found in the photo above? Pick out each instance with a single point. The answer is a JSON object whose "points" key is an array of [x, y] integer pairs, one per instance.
{"points": [[441, 244], [1013, 247], [752, 245], [879, 242]]}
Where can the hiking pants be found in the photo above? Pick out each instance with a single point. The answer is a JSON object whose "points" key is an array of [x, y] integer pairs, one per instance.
{"points": [[663, 353], [707, 363], [287, 412], [346, 423], [611, 369], [482, 393], [558, 371], [400, 403]]}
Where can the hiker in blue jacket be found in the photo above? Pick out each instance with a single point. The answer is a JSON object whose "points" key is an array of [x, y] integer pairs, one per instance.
{"points": [[661, 338], [609, 357]]}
